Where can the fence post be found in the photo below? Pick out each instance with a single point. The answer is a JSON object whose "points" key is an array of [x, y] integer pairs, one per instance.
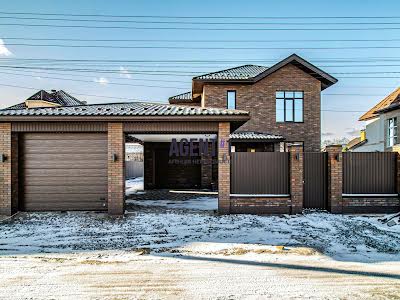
{"points": [[224, 169], [296, 178], [335, 178], [396, 148]]}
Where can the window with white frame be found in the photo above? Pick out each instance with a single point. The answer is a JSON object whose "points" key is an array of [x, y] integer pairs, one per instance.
{"points": [[289, 106], [391, 132]]}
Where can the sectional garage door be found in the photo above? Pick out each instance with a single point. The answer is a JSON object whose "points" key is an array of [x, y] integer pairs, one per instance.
{"points": [[63, 171]]}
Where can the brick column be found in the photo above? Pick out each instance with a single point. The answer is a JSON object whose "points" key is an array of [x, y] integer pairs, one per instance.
{"points": [[396, 148], [296, 178], [206, 169], [224, 168], [116, 169], [5, 170], [335, 181], [14, 172]]}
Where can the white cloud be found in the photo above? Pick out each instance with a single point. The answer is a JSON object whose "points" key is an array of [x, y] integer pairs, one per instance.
{"points": [[38, 78], [3, 49], [353, 131], [327, 134], [124, 73], [101, 80]]}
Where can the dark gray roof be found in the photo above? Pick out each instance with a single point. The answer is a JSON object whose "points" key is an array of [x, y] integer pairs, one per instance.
{"points": [[254, 135], [57, 97], [123, 109], [253, 73], [237, 73], [18, 106], [184, 97]]}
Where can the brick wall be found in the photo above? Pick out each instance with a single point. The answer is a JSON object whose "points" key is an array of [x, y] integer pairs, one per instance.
{"points": [[335, 178], [175, 172], [260, 205], [370, 205], [116, 169], [259, 99], [296, 178], [224, 169], [15, 173], [5, 170], [206, 169]]}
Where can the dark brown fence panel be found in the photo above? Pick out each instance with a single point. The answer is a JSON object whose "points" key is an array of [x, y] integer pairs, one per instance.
{"points": [[369, 173], [315, 180], [261, 173]]}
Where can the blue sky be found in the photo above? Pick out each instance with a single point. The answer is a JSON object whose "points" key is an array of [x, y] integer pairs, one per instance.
{"points": [[342, 104]]}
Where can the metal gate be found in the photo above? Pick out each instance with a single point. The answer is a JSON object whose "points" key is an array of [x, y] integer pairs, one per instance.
{"points": [[315, 180]]}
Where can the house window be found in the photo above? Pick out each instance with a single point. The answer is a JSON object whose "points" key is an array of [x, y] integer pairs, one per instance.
{"points": [[231, 99], [392, 132], [289, 106]]}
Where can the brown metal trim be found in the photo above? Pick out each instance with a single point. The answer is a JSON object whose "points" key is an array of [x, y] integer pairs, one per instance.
{"points": [[195, 127], [202, 118], [59, 127]]}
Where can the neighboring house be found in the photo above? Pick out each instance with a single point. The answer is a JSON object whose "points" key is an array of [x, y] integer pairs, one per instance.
{"points": [[390, 117], [284, 102], [381, 125], [355, 144], [48, 99]]}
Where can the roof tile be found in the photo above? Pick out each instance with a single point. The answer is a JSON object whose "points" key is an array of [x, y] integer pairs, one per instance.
{"points": [[121, 109]]}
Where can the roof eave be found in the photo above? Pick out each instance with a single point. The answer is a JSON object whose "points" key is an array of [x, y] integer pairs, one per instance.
{"points": [[236, 140], [325, 79], [206, 118]]}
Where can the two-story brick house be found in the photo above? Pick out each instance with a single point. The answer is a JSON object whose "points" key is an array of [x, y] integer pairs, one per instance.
{"points": [[284, 102]]}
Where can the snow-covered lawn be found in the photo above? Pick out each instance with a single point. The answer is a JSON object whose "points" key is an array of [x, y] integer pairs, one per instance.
{"points": [[134, 186], [172, 253], [353, 238], [196, 203]]}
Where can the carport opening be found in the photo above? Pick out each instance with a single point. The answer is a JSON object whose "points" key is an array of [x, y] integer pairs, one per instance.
{"points": [[154, 170]]}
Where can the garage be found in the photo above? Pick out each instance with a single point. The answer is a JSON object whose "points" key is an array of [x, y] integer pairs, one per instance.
{"points": [[63, 171]]}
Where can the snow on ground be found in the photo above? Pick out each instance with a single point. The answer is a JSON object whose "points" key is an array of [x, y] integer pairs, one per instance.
{"points": [[199, 203], [353, 238], [134, 186], [167, 253]]}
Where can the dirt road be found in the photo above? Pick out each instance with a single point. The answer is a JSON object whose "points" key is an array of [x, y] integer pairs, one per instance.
{"points": [[127, 275]]}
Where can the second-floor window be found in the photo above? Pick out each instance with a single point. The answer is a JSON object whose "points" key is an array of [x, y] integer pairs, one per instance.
{"points": [[392, 132], [289, 106], [231, 99]]}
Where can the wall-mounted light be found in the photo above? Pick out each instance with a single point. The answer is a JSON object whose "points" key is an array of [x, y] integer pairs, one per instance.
{"points": [[337, 157], [3, 158], [297, 156], [114, 157]]}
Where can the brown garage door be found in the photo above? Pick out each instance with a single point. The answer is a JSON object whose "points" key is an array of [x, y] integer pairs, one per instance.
{"points": [[63, 171]]}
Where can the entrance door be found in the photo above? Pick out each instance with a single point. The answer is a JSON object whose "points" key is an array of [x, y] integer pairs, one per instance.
{"points": [[315, 180]]}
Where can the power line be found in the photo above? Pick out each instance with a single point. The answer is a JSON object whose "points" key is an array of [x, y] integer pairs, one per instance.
{"points": [[198, 17], [197, 23], [167, 72], [198, 41], [149, 72], [129, 99], [203, 48], [94, 82], [198, 28], [38, 74], [213, 61]]}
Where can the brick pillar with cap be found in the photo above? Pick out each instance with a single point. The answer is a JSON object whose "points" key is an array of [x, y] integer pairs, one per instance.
{"points": [[224, 168], [335, 178], [5, 170], [296, 178], [116, 169]]}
